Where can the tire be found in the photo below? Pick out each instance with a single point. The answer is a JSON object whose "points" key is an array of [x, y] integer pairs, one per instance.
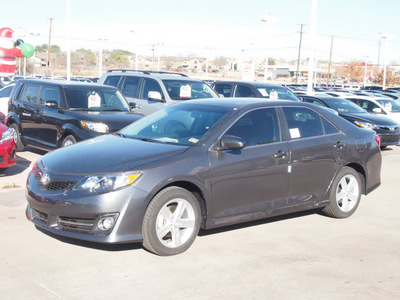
{"points": [[68, 141], [171, 222], [18, 140], [345, 194]]}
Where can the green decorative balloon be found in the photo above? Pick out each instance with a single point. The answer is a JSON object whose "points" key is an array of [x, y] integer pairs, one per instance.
{"points": [[27, 50]]}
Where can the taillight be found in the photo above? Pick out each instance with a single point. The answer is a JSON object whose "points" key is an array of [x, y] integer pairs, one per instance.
{"points": [[378, 140]]}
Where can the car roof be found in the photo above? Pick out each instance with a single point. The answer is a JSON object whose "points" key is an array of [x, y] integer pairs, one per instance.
{"points": [[253, 83], [65, 83], [152, 74], [239, 103]]}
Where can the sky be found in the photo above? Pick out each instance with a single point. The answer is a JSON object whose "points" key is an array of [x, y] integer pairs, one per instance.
{"points": [[212, 28]]}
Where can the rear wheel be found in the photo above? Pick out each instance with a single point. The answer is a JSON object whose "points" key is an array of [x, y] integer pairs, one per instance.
{"points": [[171, 222], [68, 141], [345, 194], [17, 137]]}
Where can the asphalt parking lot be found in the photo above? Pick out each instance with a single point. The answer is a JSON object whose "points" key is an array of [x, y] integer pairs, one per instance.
{"points": [[300, 256]]}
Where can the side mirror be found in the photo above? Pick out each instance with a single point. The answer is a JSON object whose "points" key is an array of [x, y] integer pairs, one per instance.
{"points": [[152, 95], [230, 142], [133, 106], [51, 103], [377, 110]]}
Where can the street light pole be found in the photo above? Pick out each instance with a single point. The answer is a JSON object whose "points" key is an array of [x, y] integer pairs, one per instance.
{"points": [[298, 57], [268, 19], [48, 49], [311, 59]]}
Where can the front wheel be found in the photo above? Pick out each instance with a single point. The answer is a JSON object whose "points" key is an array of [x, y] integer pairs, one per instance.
{"points": [[17, 138], [345, 194], [171, 222], [68, 141]]}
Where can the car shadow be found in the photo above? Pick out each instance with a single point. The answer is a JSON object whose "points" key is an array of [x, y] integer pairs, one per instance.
{"points": [[267, 220], [22, 163], [92, 245], [202, 233]]}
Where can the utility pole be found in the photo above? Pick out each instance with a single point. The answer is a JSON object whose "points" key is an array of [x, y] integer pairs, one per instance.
{"points": [[48, 49], [379, 52], [298, 57], [330, 60]]}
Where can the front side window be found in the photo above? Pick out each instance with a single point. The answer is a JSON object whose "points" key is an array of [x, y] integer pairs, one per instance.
{"points": [[303, 122], [244, 91], [150, 85], [257, 127], [49, 94], [30, 93]]}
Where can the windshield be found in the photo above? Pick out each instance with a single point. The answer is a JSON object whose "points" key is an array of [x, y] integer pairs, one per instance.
{"points": [[344, 106], [275, 93], [184, 89], [391, 105], [89, 99], [178, 124]]}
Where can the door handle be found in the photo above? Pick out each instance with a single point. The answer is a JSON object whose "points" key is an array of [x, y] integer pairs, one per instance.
{"points": [[280, 154]]}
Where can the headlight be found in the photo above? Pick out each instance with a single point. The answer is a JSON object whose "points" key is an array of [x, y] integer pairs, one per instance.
{"points": [[102, 184], [365, 125], [98, 127], [7, 135]]}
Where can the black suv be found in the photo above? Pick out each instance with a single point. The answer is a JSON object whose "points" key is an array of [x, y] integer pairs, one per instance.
{"points": [[151, 91], [49, 114], [253, 89]]}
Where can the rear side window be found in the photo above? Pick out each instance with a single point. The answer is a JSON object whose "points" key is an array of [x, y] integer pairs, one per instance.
{"points": [[223, 89], [303, 122], [112, 80], [49, 93], [30, 93], [130, 86]]}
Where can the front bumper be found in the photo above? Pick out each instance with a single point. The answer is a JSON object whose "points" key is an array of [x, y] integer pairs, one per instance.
{"points": [[8, 154], [389, 139], [76, 214]]}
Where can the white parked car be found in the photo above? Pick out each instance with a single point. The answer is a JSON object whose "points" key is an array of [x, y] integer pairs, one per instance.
{"points": [[4, 97], [377, 105]]}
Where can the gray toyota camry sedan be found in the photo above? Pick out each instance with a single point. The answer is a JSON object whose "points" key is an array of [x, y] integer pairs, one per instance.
{"points": [[203, 164]]}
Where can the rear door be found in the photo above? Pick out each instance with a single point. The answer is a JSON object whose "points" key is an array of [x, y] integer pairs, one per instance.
{"points": [[27, 109], [318, 149]]}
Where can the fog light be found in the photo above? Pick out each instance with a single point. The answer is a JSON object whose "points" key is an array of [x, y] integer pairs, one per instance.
{"points": [[106, 223]]}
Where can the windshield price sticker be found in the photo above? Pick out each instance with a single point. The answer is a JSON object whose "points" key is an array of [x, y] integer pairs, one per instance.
{"points": [[94, 100], [273, 95], [186, 91]]}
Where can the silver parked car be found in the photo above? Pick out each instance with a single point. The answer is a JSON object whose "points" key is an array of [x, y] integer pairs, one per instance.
{"points": [[203, 164]]}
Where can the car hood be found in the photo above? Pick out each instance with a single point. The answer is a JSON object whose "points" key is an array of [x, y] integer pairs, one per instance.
{"points": [[114, 120], [107, 154], [366, 117]]}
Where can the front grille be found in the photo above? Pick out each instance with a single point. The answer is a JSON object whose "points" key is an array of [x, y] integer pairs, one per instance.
{"points": [[2, 159], [39, 216], [388, 128], [75, 224], [390, 138], [57, 185]]}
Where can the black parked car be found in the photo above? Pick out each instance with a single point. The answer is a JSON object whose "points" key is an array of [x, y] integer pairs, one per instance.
{"points": [[388, 130], [203, 163], [246, 89], [49, 114]]}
